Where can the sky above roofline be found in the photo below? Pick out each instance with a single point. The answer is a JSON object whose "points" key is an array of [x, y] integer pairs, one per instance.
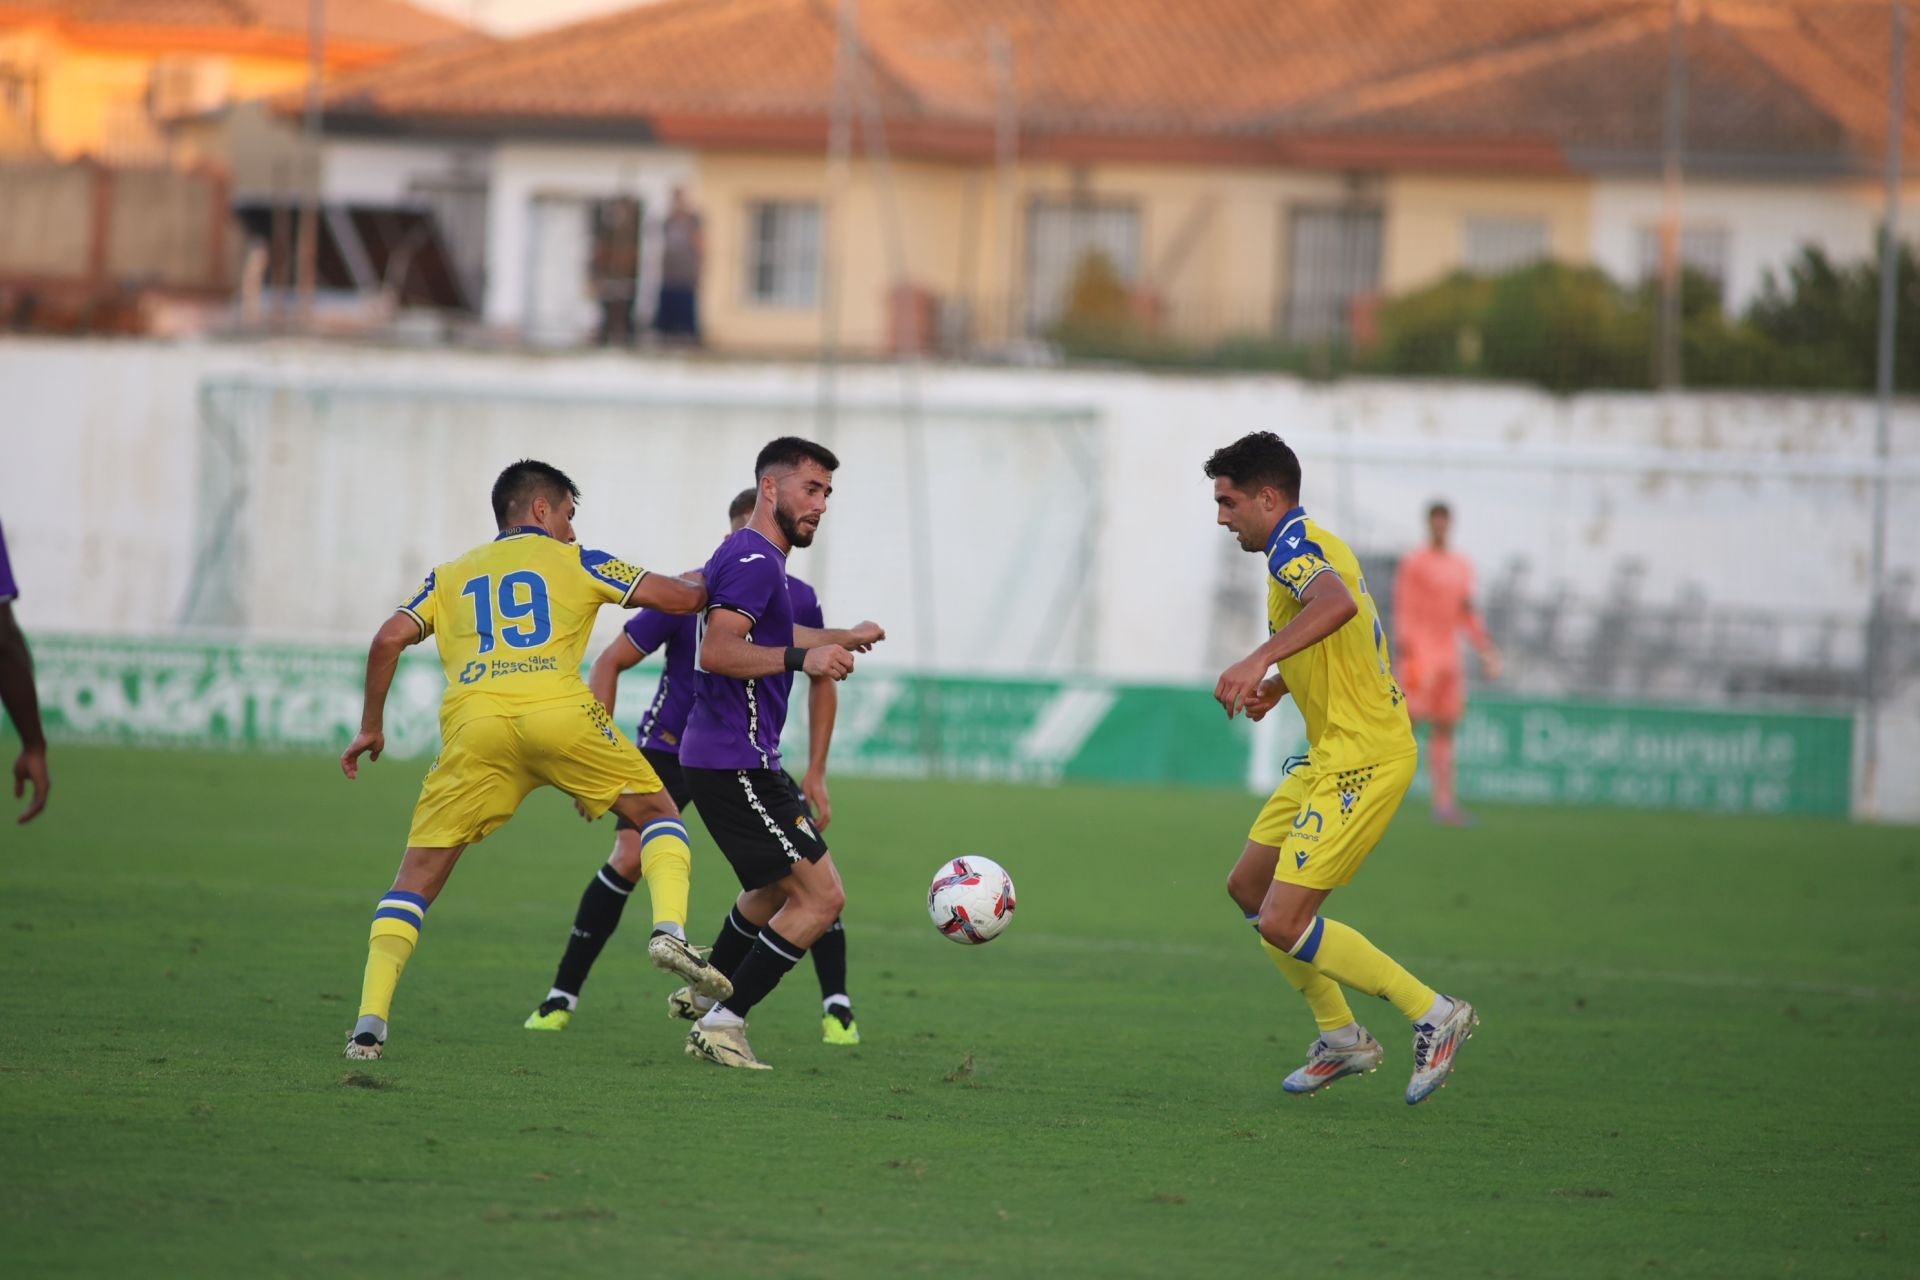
{"points": [[508, 18]]}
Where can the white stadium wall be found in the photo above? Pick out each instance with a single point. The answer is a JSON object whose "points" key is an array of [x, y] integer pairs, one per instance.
{"points": [[292, 491]]}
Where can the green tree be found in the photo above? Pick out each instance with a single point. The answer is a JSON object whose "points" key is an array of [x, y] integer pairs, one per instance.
{"points": [[1826, 316], [1438, 330]]}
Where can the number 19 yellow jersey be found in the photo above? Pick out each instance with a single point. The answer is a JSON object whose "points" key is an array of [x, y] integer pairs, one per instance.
{"points": [[1344, 685], [511, 618]]}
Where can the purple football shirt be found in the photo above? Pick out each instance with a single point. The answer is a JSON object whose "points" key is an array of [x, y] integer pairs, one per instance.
{"points": [[665, 724], [9, 590], [650, 630], [736, 724], [806, 605]]}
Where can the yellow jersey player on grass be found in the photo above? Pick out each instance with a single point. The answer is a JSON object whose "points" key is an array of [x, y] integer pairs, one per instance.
{"points": [[511, 618], [1333, 807]]}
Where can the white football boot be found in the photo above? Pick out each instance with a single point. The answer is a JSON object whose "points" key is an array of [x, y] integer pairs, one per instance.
{"points": [[724, 1047], [1325, 1064], [1436, 1047]]}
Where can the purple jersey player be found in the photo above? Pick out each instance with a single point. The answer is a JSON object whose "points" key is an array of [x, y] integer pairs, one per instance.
{"points": [[659, 734], [736, 721], [678, 634], [749, 650], [17, 695], [9, 591]]}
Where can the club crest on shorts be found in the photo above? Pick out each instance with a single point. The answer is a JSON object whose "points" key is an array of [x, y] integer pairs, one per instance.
{"points": [[806, 826]]}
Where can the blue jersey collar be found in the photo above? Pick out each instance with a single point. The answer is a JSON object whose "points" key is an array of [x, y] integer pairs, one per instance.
{"points": [[522, 528], [1287, 521]]}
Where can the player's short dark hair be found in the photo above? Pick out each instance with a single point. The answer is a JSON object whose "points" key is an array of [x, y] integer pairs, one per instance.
{"points": [[742, 503], [791, 451], [526, 480], [1257, 460], [1438, 508]]}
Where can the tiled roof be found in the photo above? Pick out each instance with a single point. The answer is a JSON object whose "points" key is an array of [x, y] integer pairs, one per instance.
{"points": [[1564, 78], [735, 57], [392, 23], [1786, 86]]}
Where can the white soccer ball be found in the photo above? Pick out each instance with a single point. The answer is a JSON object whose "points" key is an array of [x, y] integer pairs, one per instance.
{"points": [[971, 899]]}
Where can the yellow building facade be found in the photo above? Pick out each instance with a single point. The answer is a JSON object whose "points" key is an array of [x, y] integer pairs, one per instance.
{"points": [[109, 90], [1206, 253]]}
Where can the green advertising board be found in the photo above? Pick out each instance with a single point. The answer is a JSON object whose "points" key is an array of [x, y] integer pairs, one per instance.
{"points": [[1596, 753], [274, 697]]}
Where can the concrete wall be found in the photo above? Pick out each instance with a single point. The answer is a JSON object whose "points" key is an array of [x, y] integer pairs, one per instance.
{"points": [[162, 227], [46, 219], [109, 470]]}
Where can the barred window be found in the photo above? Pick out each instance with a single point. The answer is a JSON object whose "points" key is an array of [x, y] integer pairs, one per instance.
{"points": [[1333, 261], [1494, 245], [1061, 236], [783, 253]]}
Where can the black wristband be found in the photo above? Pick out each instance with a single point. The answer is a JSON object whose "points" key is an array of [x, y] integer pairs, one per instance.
{"points": [[796, 658]]}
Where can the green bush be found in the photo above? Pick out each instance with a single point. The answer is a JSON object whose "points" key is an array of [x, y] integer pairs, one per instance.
{"points": [[1439, 330], [1826, 315], [1573, 329], [1561, 327], [1566, 328]]}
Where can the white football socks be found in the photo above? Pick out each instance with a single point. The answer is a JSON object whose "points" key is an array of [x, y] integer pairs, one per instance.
{"points": [[1442, 1009], [1347, 1037]]}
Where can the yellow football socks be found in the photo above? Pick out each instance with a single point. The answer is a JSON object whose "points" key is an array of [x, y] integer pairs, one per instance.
{"points": [[666, 864], [1330, 1010], [396, 929], [1346, 956]]}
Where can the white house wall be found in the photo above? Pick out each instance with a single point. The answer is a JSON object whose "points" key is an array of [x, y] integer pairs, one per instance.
{"points": [[1768, 223], [525, 171], [383, 172]]}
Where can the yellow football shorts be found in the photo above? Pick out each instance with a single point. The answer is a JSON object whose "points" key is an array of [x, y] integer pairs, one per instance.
{"points": [[488, 765], [1325, 823]]}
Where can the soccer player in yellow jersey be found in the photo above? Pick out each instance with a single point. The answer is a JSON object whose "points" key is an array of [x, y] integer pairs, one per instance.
{"points": [[1333, 807], [511, 618]]}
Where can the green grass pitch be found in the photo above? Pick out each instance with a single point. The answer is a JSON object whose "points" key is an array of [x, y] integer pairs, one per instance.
{"points": [[1697, 1056]]}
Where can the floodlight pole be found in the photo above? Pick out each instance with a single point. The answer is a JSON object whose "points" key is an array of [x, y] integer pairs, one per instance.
{"points": [[1006, 159], [308, 250], [1875, 688], [1673, 140], [920, 494], [839, 166]]}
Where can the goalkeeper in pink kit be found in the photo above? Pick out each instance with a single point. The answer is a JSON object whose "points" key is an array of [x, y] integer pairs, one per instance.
{"points": [[1432, 605]]}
